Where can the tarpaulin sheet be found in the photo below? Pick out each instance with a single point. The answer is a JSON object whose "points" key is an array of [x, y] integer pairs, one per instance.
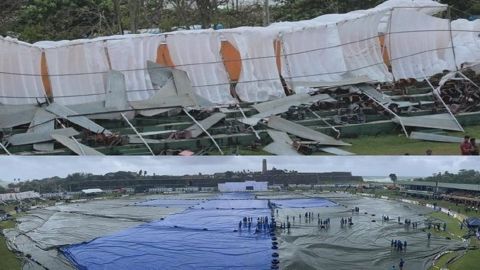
{"points": [[151, 247], [198, 54], [347, 44], [303, 203], [473, 222], [466, 41], [235, 196], [363, 245], [425, 6], [259, 79], [419, 45], [194, 239], [303, 48], [19, 58], [131, 55], [361, 48], [233, 204], [168, 203], [89, 61], [212, 219]]}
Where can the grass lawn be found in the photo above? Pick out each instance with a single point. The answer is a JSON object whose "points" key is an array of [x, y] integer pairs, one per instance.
{"points": [[8, 259], [400, 145], [471, 258], [469, 261], [453, 226], [393, 144], [239, 151]]}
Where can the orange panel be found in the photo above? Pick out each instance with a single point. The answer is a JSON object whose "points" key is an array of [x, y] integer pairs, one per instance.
{"points": [[232, 60], [386, 54], [163, 56], [47, 85], [277, 45]]}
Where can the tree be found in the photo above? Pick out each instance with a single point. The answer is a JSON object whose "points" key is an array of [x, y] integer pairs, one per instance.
{"points": [[9, 10], [66, 19], [394, 178], [207, 11]]}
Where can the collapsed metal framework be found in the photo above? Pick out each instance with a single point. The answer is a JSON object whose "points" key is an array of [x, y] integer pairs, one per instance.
{"points": [[299, 123]]}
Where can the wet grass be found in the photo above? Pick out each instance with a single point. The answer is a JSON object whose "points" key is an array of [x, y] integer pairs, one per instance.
{"points": [[400, 145], [239, 151], [453, 226], [393, 144], [470, 260], [442, 261], [8, 259]]}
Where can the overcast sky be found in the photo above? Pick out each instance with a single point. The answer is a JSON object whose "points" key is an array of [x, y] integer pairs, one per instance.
{"points": [[27, 168]]}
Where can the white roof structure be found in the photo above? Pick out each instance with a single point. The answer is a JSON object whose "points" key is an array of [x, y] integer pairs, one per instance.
{"points": [[92, 191], [247, 186], [330, 48], [19, 196]]}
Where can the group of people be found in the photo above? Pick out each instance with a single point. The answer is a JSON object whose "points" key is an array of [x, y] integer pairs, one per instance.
{"points": [[409, 222], [324, 223], [469, 147], [309, 217], [346, 221], [398, 245], [262, 224], [438, 226]]}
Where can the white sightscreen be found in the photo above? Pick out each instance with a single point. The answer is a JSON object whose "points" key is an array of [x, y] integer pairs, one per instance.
{"points": [[18, 58], [77, 72], [198, 53], [419, 45], [259, 79], [243, 186]]}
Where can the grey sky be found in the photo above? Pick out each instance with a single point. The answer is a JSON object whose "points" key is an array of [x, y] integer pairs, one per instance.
{"points": [[40, 167]]}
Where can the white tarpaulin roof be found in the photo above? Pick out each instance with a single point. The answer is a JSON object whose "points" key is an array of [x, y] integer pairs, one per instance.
{"points": [[198, 53], [17, 58], [323, 50], [259, 80], [19, 196], [420, 45]]}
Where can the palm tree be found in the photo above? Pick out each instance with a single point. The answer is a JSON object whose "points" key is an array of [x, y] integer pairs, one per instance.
{"points": [[394, 179]]}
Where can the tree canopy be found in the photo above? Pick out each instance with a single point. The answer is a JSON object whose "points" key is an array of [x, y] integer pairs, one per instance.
{"points": [[462, 177], [34, 20]]}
